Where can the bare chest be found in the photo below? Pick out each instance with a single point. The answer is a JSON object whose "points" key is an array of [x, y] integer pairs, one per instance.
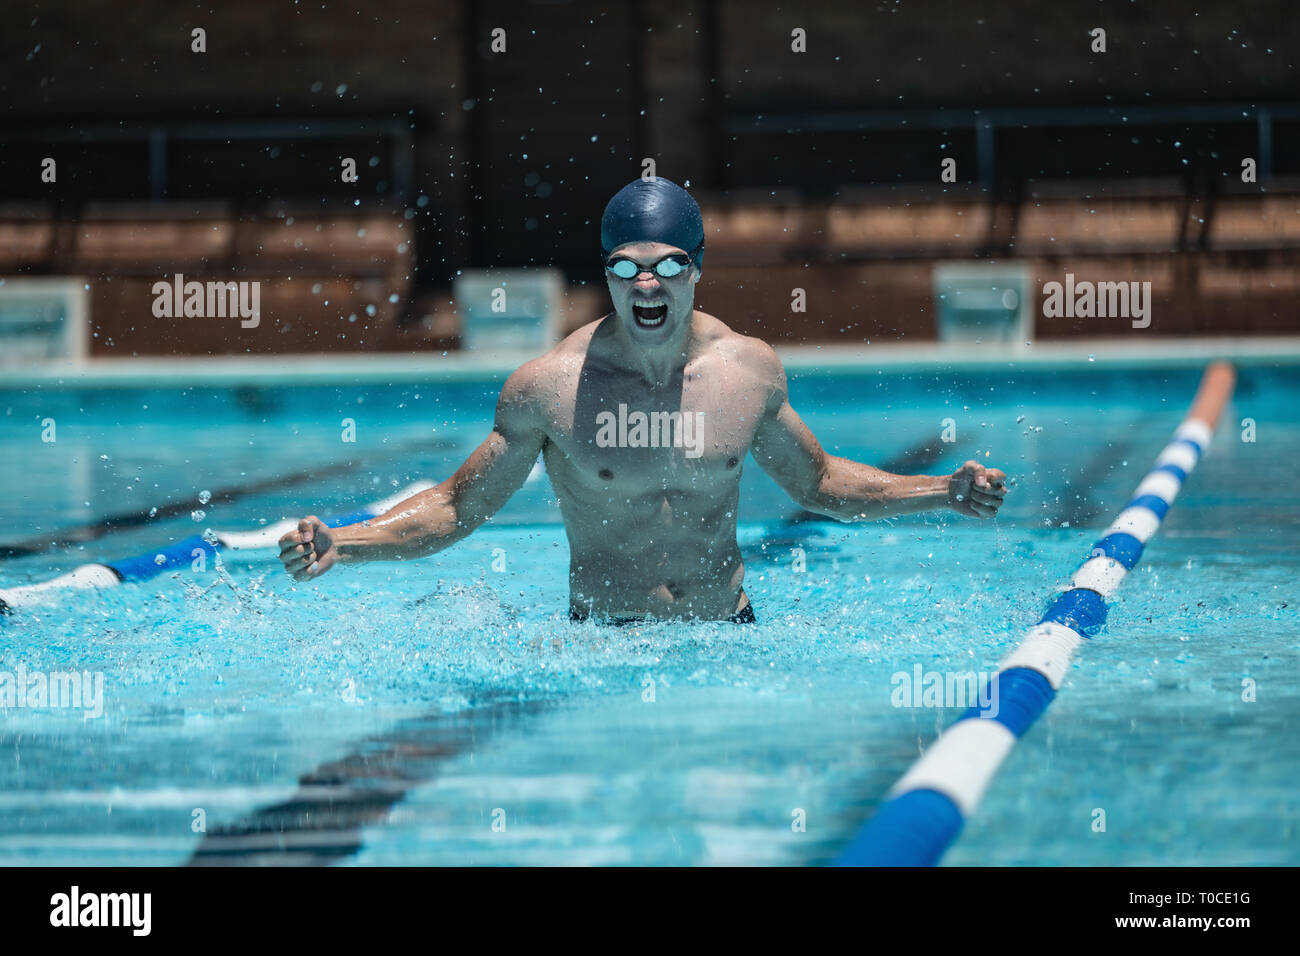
{"points": [[647, 441]]}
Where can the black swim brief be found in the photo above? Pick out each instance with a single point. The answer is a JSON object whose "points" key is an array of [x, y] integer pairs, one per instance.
{"points": [[744, 616]]}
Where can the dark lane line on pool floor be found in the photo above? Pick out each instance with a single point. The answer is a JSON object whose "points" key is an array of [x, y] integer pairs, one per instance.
{"points": [[126, 520], [1076, 504], [321, 823]]}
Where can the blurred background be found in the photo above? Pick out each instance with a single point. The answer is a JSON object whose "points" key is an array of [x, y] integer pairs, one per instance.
{"points": [[816, 170]]}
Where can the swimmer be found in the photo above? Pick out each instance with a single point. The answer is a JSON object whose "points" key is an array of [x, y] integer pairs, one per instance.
{"points": [[644, 419]]}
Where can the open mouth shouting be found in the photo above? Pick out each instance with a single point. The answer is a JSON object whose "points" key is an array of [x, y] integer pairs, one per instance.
{"points": [[649, 313]]}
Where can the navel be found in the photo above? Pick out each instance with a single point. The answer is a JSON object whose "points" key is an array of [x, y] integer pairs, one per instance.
{"points": [[606, 474], [732, 462]]}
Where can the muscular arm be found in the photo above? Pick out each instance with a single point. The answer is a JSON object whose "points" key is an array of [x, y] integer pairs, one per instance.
{"points": [[848, 490], [434, 519]]}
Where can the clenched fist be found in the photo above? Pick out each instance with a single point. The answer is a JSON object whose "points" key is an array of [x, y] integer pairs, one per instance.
{"points": [[976, 490], [308, 552]]}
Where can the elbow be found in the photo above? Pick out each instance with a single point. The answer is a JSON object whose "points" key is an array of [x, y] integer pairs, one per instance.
{"points": [[817, 499], [429, 527]]}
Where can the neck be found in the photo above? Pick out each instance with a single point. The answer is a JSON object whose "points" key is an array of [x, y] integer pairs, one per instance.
{"points": [[659, 363]]}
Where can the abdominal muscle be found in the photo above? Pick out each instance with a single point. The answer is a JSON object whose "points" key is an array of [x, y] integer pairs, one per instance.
{"points": [[669, 555]]}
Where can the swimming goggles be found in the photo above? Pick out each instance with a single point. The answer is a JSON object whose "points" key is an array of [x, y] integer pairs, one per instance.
{"points": [[667, 267]]}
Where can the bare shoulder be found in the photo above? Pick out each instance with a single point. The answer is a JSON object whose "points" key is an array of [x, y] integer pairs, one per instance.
{"points": [[551, 369], [530, 393], [758, 359]]}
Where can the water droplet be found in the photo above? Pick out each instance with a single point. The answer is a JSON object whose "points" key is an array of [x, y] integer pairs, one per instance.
{"points": [[205, 496], [197, 515]]}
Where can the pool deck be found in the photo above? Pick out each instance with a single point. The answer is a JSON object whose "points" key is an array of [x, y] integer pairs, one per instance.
{"points": [[415, 368]]}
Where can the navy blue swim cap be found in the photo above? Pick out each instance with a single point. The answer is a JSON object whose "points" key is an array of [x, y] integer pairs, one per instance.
{"points": [[653, 210]]}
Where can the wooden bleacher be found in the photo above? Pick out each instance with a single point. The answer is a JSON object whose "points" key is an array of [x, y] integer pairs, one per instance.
{"points": [[329, 272], [327, 275], [750, 226], [338, 238], [153, 238], [1253, 217], [27, 237], [1062, 218]]}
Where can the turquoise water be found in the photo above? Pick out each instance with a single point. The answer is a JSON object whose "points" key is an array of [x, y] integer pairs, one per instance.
{"points": [[449, 713]]}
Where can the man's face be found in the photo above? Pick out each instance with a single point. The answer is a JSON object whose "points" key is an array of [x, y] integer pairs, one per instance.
{"points": [[652, 307]]}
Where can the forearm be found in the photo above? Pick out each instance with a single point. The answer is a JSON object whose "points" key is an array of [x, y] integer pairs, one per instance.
{"points": [[421, 525], [852, 491]]}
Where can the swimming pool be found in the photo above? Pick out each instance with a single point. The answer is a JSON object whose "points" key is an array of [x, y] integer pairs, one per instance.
{"points": [[446, 711]]}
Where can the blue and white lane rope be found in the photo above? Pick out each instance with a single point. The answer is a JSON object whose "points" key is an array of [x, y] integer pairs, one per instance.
{"points": [[924, 812], [144, 566]]}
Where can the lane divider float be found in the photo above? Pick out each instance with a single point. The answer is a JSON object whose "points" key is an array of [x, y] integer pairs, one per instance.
{"points": [[924, 812], [142, 567]]}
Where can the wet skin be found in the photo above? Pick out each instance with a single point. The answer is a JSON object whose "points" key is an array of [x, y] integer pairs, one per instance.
{"points": [[652, 530]]}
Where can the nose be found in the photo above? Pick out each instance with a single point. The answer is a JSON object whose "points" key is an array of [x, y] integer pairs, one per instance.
{"points": [[646, 283]]}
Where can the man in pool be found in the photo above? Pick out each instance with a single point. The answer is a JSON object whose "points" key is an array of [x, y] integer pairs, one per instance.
{"points": [[644, 419]]}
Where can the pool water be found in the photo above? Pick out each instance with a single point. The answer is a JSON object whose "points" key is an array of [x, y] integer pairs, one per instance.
{"points": [[445, 711]]}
